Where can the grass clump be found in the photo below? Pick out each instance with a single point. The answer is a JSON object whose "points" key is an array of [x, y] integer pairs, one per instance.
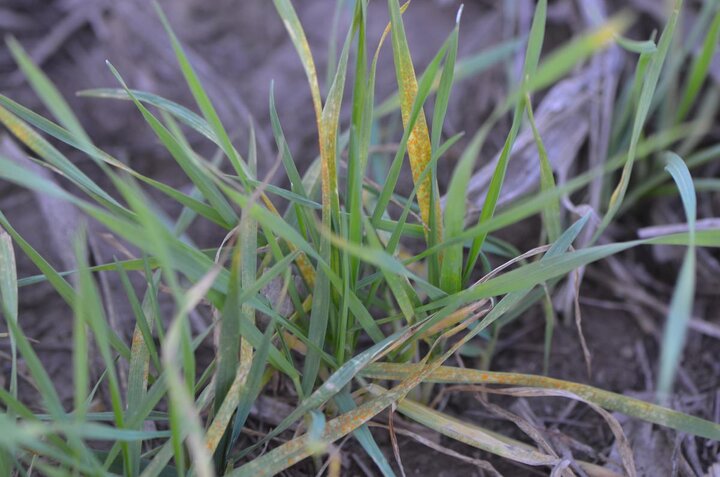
{"points": [[368, 305]]}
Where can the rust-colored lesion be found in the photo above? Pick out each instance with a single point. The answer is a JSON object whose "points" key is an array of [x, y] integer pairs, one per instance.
{"points": [[418, 146], [20, 130], [222, 418], [307, 271], [633, 407], [475, 311], [137, 345]]}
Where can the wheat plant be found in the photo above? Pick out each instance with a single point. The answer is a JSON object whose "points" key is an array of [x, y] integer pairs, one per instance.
{"points": [[375, 317]]}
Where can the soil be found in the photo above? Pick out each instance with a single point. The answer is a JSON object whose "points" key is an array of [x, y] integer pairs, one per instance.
{"points": [[238, 47]]}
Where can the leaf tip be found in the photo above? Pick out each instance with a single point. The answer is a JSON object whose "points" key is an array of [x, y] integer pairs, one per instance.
{"points": [[459, 14]]}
